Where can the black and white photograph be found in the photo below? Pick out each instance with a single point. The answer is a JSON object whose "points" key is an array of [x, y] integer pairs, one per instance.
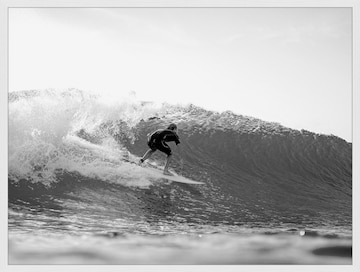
{"points": [[180, 133]]}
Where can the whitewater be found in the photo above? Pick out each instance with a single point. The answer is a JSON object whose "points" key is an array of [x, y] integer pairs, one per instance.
{"points": [[272, 194]]}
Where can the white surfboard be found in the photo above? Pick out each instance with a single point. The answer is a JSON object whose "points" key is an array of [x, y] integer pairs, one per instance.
{"points": [[154, 171], [175, 177]]}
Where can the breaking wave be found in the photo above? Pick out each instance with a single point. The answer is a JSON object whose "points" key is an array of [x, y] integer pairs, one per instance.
{"points": [[64, 143]]}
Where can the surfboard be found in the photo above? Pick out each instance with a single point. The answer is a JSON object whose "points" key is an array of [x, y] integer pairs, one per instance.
{"points": [[175, 177], [154, 171]]}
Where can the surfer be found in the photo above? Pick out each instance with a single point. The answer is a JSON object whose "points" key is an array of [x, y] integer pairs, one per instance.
{"points": [[157, 141]]}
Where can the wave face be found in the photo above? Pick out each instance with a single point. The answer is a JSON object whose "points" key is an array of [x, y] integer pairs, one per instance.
{"points": [[69, 152]]}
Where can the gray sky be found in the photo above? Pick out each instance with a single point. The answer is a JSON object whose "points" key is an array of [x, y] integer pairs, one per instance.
{"points": [[287, 65]]}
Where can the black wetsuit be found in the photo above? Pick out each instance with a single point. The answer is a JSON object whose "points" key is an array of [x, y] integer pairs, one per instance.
{"points": [[158, 139]]}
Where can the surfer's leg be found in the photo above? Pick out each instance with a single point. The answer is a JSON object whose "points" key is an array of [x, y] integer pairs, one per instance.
{"points": [[147, 155], [168, 159], [163, 147]]}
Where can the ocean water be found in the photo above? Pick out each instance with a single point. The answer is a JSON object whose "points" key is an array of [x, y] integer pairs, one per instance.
{"points": [[272, 195]]}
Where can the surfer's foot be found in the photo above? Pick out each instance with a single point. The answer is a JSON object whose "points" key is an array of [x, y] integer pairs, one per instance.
{"points": [[167, 173], [140, 162]]}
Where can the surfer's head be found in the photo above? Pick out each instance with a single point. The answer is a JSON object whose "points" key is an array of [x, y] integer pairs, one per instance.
{"points": [[172, 127]]}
